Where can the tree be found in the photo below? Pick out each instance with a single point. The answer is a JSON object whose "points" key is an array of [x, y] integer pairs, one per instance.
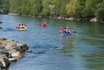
{"points": [[45, 10], [62, 8], [15, 6], [73, 7], [1, 4], [36, 7], [4, 6], [90, 7], [100, 11]]}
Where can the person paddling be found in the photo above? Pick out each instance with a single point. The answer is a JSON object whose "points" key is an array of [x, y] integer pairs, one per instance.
{"points": [[66, 31], [21, 26], [44, 25]]}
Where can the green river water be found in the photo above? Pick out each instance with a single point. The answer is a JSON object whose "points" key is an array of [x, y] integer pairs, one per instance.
{"points": [[84, 50]]}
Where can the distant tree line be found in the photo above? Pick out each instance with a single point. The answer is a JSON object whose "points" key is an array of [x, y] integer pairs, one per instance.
{"points": [[64, 8], [4, 6]]}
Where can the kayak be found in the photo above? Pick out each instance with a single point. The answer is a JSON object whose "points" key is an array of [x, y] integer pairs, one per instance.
{"points": [[67, 34], [21, 29]]}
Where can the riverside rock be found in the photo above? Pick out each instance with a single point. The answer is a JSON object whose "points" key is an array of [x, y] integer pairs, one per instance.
{"points": [[10, 50], [94, 19]]}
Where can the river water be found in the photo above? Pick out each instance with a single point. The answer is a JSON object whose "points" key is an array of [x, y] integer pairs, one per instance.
{"points": [[84, 50]]}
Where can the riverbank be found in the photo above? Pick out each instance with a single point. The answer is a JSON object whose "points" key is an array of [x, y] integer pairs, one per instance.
{"points": [[10, 50], [91, 19]]}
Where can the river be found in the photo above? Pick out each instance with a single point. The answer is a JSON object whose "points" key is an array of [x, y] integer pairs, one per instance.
{"points": [[50, 51]]}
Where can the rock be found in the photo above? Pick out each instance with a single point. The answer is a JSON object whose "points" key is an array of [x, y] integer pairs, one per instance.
{"points": [[4, 62], [13, 45], [29, 51], [11, 50], [7, 54], [71, 18], [17, 55], [22, 48], [12, 59], [94, 19], [60, 17]]}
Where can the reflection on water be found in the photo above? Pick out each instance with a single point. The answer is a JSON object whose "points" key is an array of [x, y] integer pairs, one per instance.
{"points": [[82, 51], [95, 58]]}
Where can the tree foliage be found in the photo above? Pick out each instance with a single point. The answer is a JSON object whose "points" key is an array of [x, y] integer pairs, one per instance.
{"points": [[71, 8], [100, 11], [4, 5]]}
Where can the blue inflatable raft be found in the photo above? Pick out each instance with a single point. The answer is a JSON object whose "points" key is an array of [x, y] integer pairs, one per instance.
{"points": [[67, 34]]}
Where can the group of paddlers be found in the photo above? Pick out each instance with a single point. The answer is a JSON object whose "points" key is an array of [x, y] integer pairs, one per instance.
{"points": [[63, 30], [21, 26]]}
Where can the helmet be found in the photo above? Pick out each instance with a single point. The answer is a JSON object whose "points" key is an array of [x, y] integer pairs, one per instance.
{"points": [[66, 27]]}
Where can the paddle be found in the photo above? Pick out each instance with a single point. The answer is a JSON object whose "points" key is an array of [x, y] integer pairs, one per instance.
{"points": [[74, 31]]}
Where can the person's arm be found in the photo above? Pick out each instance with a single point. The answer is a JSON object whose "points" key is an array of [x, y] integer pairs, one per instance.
{"points": [[69, 31]]}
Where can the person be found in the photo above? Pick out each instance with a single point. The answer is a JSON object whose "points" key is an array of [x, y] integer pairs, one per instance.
{"points": [[18, 26], [66, 30], [23, 26], [44, 25]]}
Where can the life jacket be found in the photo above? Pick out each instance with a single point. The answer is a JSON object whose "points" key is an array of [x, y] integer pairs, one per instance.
{"points": [[66, 31], [43, 25]]}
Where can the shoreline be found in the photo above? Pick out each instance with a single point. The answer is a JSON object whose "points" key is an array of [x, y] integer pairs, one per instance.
{"points": [[94, 19]]}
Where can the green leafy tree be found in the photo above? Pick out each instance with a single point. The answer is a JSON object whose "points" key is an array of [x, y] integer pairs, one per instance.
{"points": [[36, 7], [73, 7], [57, 4], [90, 7], [63, 9], [45, 10], [4, 6], [1, 4], [15, 6], [84, 8], [100, 11]]}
